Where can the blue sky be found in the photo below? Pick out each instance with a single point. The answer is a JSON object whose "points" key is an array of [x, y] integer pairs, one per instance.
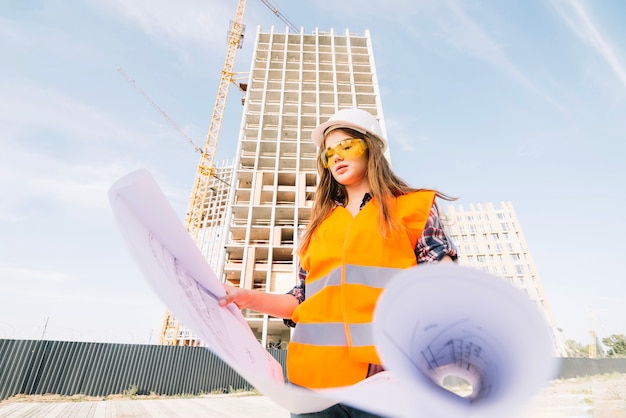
{"points": [[520, 101]]}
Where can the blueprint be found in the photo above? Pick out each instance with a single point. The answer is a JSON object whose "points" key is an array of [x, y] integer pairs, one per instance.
{"points": [[431, 322]]}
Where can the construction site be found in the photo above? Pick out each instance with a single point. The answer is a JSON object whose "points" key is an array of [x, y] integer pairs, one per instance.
{"points": [[246, 215]]}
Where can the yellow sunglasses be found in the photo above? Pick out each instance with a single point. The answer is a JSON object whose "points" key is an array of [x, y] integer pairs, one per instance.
{"points": [[347, 149]]}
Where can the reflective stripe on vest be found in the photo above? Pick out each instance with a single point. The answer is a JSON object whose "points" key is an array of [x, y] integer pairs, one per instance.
{"points": [[333, 334], [376, 277]]}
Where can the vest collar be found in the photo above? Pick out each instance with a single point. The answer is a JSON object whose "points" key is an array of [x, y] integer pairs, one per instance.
{"points": [[366, 198]]}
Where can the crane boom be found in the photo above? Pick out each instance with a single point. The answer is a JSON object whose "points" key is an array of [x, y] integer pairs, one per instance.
{"points": [[206, 167], [281, 16], [161, 111]]}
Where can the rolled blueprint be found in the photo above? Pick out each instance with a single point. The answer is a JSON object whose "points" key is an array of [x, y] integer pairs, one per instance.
{"points": [[431, 322]]}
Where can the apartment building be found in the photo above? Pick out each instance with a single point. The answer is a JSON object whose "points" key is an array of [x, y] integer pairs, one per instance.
{"points": [[490, 238]]}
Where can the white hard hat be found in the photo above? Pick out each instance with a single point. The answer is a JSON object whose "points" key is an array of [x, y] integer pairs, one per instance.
{"points": [[358, 119]]}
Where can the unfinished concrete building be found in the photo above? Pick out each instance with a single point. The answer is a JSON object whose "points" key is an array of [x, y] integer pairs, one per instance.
{"points": [[296, 82]]}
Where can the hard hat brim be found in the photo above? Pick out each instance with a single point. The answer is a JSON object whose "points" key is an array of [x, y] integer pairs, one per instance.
{"points": [[318, 133]]}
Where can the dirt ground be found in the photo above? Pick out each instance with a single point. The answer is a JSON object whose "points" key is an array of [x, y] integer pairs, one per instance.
{"points": [[602, 396]]}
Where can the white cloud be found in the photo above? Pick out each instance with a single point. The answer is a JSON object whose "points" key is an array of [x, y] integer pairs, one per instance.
{"points": [[531, 148], [406, 142], [56, 148], [468, 36], [81, 185], [465, 164], [29, 106], [581, 22], [34, 183], [398, 133], [26, 277], [173, 22], [452, 20], [12, 37]]}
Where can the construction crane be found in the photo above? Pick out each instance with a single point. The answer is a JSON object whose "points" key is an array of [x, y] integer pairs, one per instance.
{"points": [[197, 216], [206, 167], [198, 207], [235, 39], [281, 16]]}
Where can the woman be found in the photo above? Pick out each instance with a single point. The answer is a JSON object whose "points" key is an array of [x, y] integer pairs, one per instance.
{"points": [[366, 223]]}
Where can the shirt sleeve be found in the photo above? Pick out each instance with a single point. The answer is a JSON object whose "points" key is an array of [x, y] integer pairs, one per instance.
{"points": [[297, 292], [434, 243]]}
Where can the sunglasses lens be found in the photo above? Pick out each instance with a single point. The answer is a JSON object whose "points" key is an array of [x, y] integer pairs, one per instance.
{"points": [[324, 158], [346, 149]]}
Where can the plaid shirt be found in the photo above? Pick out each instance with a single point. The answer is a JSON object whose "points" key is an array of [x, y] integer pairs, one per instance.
{"points": [[431, 247]]}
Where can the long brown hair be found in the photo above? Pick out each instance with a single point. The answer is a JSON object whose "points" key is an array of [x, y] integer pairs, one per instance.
{"points": [[384, 186]]}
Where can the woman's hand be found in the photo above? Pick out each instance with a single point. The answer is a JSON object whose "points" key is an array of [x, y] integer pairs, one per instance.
{"points": [[277, 305], [237, 295]]}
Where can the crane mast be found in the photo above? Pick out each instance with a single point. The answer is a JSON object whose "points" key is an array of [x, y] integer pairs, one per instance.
{"points": [[206, 168], [198, 203]]}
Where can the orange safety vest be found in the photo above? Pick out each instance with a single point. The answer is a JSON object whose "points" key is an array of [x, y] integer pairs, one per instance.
{"points": [[348, 264]]}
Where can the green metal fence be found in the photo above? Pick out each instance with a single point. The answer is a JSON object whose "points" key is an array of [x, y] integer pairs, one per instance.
{"points": [[32, 367], [98, 369]]}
